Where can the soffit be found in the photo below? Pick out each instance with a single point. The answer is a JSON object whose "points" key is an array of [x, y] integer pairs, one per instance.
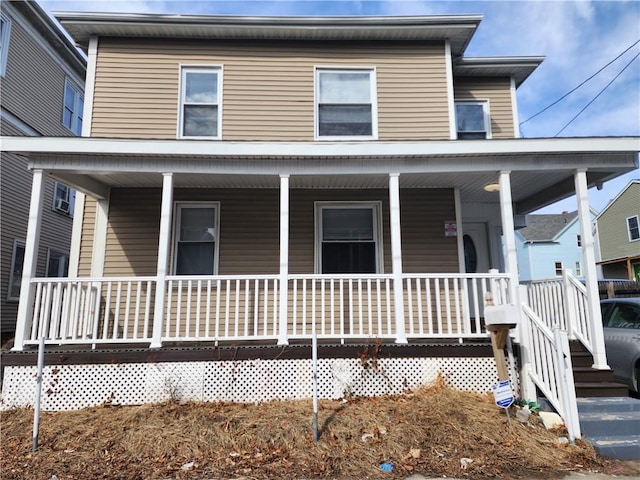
{"points": [[457, 28]]}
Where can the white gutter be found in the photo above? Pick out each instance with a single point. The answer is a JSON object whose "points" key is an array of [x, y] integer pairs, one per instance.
{"points": [[208, 149]]}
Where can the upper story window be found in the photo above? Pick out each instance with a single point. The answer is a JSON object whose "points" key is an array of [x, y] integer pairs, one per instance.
{"points": [[346, 104], [558, 268], [579, 240], [633, 228], [196, 239], [72, 109], [64, 199], [5, 31], [472, 120], [200, 98]]}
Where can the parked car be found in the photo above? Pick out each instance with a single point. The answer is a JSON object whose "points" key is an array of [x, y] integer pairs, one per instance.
{"points": [[621, 322]]}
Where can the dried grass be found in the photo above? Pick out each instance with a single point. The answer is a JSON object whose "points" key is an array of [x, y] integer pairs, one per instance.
{"points": [[427, 432]]}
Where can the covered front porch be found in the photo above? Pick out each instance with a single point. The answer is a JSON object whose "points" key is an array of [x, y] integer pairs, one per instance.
{"points": [[433, 247]]}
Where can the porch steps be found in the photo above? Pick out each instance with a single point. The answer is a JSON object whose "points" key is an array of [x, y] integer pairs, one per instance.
{"points": [[591, 382], [611, 425]]}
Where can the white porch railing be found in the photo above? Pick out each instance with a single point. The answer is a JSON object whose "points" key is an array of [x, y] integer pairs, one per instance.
{"points": [[92, 310], [563, 302], [221, 308], [247, 308], [450, 305]]}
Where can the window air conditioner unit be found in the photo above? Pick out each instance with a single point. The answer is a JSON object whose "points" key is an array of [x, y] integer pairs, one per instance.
{"points": [[62, 205]]}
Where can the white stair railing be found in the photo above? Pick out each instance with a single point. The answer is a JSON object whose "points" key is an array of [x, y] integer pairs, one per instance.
{"points": [[549, 367]]}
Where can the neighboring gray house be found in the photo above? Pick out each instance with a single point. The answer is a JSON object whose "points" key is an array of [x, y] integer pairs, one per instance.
{"points": [[618, 227], [42, 84]]}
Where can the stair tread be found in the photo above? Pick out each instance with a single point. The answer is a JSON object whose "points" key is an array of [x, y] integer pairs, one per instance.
{"points": [[609, 416], [601, 384]]}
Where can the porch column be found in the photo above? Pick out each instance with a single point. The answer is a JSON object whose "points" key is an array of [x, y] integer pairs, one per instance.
{"points": [[27, 291], [163, 259], [590, 276], [284, 260], [508, 233], [100, 237], [396, 255]]}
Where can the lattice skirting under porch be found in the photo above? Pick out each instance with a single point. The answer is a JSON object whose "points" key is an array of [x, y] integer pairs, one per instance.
{"points": [[68, 387]]}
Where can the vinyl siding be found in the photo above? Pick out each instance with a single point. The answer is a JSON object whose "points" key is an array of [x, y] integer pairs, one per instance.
{"points": [[33, 86], [268, 89], [612, 225], [249, 229], [498, 92], [15, 196]]}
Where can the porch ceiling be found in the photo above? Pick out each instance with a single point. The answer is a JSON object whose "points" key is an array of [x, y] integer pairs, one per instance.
{"points": [[542, 170]]}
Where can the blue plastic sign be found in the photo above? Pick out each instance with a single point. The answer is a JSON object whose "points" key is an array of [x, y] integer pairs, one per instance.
{"points": [[502, 394]]}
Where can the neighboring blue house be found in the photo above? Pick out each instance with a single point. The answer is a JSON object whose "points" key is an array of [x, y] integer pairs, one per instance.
{"points": [[549, 244]]}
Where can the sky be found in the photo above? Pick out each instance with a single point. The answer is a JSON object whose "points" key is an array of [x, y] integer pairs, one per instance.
{"points": [[577, 37]]}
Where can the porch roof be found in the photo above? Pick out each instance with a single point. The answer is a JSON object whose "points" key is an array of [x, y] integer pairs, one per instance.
{"points": [[542, 169]]}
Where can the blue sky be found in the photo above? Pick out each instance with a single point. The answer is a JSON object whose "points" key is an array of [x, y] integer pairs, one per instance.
{"points": [[577, 38]]}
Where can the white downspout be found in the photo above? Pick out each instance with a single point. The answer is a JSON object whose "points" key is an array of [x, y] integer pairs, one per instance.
{"points": [[590, 276], [32, 243]]}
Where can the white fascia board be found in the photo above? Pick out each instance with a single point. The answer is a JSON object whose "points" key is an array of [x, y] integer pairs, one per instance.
{"points": [[280, 150], [614, 199]]}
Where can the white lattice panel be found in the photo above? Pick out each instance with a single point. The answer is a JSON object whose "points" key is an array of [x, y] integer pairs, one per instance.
{"points": [[79, 386]]}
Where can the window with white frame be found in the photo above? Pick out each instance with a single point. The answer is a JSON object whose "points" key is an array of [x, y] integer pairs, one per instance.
{"points": [[348, 238], [64, 199], [72, 108], [57, 264], [472, 120], [196, 239], [558, 266], [5, 32], [633, 228], [578, 269], [15, 276], [200, 99], [346, 103]]}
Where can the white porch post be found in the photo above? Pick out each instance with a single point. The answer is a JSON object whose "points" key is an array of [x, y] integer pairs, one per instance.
{"points": [[284, 260], [591, 281], [396, 255], [27, 291], [99, 249], [163, 259], [508, 233]]}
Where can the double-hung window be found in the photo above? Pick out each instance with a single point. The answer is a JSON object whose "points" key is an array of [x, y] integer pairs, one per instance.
{"points": [[472, 120], [72, 108], [64, 199], [200, 102], [633, 228], [346, 103], [348, 238], [15, 276], [196, 238], [5, 32], [558, 268]]}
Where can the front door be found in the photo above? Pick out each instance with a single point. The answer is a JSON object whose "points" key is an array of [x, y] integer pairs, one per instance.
{"points": [[476, 257]]}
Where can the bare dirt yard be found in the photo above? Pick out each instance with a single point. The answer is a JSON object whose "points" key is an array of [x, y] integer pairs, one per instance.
{"points": [[435, 431]]}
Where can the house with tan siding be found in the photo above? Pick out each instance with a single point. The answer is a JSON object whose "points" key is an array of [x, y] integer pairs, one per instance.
{"points": [[618, 228], [41, 84], [252, 185]]}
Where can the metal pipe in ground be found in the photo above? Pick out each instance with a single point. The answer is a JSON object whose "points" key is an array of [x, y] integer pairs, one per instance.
{"points": [[36, 412], [314, 355]]}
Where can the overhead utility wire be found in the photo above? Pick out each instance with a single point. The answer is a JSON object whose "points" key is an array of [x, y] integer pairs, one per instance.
{"points": [[599, 93], [573, 90]]}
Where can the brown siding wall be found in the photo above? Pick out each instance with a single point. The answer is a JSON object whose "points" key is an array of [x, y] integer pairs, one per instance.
{"points": [[268, 91], [249, 229], [498, 92]]}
